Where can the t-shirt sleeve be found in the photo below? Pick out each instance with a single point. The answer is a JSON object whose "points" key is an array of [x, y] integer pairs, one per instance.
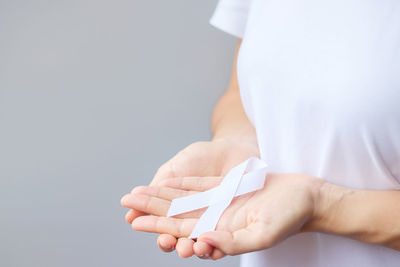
{"points": [[231, 16]]}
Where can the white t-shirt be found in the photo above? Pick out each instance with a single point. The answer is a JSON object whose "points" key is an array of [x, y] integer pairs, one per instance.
{"points": [[320, 81]]}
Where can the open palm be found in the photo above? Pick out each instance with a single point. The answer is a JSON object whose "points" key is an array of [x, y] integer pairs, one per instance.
{"points": [[201, 159], [252, 222]]}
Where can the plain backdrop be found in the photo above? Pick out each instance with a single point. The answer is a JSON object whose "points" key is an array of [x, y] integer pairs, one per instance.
{"points": [[94, 97]]}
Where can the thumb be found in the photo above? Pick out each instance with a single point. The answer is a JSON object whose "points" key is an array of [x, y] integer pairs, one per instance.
{"points": [[241, 241]]}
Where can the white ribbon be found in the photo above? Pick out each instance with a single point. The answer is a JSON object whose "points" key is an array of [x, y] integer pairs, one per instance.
{"points": [[246, 177]]}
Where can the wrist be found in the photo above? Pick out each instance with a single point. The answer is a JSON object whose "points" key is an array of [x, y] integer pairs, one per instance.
{"points": [[248, 143], [330, 209], [247, 136]]}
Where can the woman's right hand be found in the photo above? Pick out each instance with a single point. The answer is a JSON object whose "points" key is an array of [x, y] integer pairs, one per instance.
{"points": [[201, 159]]}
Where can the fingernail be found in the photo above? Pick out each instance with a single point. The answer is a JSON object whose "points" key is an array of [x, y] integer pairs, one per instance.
{"points": [[204, 256], [123, 199]]}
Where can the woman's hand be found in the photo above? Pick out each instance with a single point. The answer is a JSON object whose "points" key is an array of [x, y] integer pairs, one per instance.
{"points": [[252, 222], [204, 161]]}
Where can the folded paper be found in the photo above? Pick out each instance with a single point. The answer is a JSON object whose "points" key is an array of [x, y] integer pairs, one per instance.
{"points": [[246, 177]]}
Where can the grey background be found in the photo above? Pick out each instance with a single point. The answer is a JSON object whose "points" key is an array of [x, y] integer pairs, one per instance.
{"points": [[94, 97]]}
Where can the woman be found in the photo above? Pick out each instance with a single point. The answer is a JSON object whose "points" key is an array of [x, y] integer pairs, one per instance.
{"points": [[319, 99]]}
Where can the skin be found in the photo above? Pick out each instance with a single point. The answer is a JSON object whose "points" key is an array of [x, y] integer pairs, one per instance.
{"points": [[288, 204], [254, 221], [206, 159], [234, 141]]}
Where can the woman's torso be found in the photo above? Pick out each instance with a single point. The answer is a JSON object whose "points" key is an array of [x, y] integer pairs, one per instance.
{"points": [[320, 81]]}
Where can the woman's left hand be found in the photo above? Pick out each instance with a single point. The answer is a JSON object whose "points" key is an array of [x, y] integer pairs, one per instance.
{"points": [[255, 221]]}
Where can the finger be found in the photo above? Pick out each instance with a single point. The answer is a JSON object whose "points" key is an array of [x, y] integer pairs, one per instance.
{"points": [[164, 225], [155, 206], [133, 214], [193, 183], [166, 193], [241, 241], [146, 204], [166, 242], [184, 247], [202, 250], [217, 254]]}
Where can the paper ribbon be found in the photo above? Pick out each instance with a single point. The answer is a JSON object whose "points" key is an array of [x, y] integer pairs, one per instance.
{"points": [[246, 177]]}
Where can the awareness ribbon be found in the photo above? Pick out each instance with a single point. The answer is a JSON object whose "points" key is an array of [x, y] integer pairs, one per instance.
{"points": [[246, 177]]}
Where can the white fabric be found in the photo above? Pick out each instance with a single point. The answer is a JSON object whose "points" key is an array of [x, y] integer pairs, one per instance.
{"points": [[320, 81], [246, 177], [231, 16]]}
